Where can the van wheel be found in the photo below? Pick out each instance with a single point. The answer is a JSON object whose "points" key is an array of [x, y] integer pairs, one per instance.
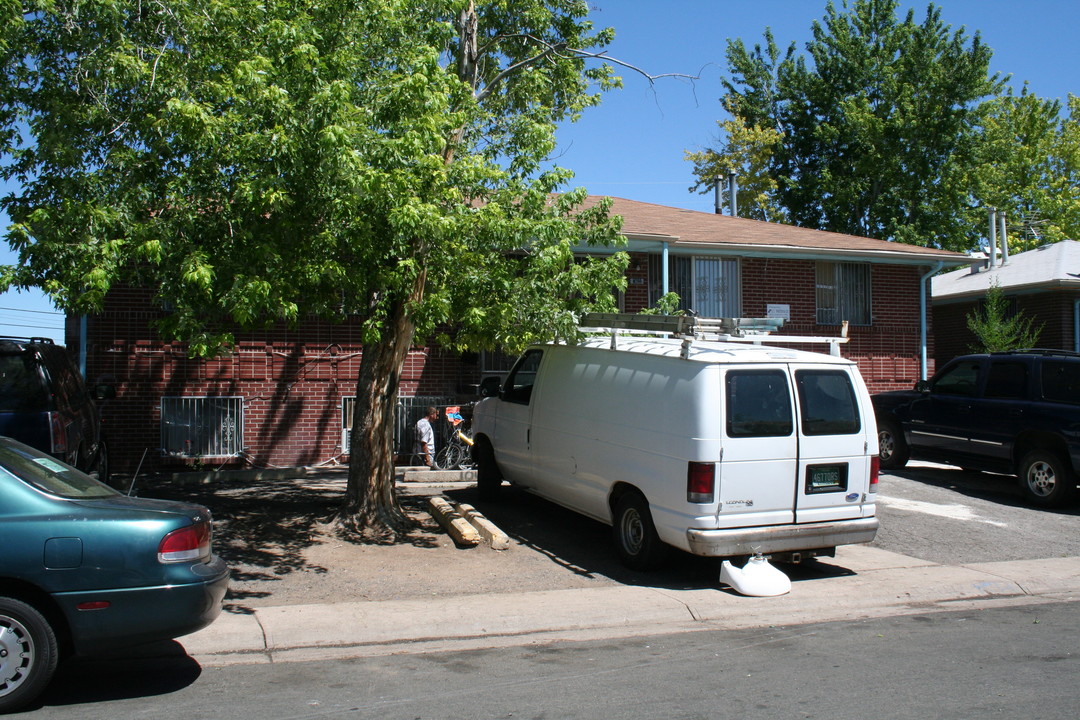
{"points": [[892, 448], [28, 653], [488, 477], [1046, 479], [636, 541]]}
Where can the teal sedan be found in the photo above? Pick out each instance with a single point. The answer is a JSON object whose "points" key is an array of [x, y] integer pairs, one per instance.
{"points": [[85, 569]]}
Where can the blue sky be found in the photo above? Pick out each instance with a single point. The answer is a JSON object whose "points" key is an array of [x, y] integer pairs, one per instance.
{"points": [[632, 145]]}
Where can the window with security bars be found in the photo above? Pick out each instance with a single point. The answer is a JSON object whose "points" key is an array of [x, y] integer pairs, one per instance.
{"points": [[193, 427], [707, 285], [842, 291], [409, 410]]}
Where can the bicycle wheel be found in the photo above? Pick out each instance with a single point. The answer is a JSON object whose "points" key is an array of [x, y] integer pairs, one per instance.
{"points": [[449, 458]]}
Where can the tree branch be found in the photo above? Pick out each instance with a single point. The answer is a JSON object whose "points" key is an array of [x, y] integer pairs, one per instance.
{"points": [[563, 51]]}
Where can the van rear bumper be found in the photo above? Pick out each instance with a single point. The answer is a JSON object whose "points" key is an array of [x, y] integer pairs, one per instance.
{"points": [[780, 538]]}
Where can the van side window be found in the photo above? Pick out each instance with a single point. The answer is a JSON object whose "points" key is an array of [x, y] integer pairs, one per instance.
{"points": [[519, 383], [827, 400], [758, 404]]}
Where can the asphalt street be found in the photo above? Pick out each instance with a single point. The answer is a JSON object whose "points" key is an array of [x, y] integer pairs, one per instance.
{"points": [[1007, 662]]}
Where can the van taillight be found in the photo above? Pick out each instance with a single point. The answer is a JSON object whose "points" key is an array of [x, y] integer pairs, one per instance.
{"points": [[875, 469], [700, 482], [58, 437], [186, 544]]}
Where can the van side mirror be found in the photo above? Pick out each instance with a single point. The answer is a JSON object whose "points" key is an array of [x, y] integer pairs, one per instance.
{"points": [[104, 392], [922, 386], [489, 386]]}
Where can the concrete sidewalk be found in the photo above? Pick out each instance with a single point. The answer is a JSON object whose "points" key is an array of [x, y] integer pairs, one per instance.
{"points": [[881, 584]]}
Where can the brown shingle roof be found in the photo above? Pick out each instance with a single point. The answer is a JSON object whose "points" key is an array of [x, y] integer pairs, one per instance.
{"points": [[695, 230]]}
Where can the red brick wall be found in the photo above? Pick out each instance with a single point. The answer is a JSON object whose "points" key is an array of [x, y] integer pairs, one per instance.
{"points": [[1052, 309], [293, 381], [887, 351]]}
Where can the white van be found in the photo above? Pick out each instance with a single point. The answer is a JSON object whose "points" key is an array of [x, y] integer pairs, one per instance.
{"points": [[721, 449]]}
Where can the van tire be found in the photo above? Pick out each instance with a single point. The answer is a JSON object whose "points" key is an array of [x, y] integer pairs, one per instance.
{"points": [[488, 477], [1046, 479], [893, 450], [636, 541]]}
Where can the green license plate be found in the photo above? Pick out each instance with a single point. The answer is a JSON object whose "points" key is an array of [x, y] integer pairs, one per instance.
{"points": [[826, 478]]}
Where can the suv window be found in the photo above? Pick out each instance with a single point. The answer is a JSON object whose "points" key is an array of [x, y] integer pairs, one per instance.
{"points": [[758, 404], [1061, 381], [519, 383], [828, 402], [22, 386], [1007, 379], [960, 379]]}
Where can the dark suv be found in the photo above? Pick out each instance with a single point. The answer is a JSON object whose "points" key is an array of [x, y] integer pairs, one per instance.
{"points": [[1013, 412], [44, 403]]}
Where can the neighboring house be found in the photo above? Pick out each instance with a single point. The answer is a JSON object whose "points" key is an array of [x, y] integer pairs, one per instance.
{"points": [[284, 397], [1043, 284]]}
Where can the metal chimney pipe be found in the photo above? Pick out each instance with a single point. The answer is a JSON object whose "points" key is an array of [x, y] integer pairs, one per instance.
{"points": [[1004, 238], [733, 191], [718, 205], [993, 237]]}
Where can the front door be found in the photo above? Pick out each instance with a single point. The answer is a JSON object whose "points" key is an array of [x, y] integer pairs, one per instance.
{"points": [[513, 423]]}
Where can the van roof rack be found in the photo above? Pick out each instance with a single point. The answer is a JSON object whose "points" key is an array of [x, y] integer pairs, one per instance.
{"points": [[691, 327]]}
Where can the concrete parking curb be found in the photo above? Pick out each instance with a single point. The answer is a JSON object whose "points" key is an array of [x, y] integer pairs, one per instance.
{"points": [[880, 584]]}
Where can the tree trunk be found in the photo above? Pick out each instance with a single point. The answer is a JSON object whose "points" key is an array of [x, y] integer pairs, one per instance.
{"points": [[371, 508]]}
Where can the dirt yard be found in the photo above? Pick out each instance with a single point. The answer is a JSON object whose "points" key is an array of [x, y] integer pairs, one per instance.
{"points": [[272, 534]]}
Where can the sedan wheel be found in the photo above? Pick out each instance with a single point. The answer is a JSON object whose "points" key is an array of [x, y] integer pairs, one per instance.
{"points": [[1046, 479], [28, 653]]}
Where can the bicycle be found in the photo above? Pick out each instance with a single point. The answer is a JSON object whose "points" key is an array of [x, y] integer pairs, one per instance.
{"points": [[456, 454]]}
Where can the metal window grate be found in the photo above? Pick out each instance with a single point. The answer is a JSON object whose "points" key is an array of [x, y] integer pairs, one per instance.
{"points": [[843, 293], [409, 410], [202, 426]]}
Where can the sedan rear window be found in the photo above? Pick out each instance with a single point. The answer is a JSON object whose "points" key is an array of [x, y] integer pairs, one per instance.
{"points": [[48, 474]]}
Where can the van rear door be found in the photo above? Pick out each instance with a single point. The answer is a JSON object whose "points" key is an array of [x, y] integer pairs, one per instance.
{"points": [[834, 457], [756, 477]]}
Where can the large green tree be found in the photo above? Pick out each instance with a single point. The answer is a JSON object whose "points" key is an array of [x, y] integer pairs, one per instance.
{"points": [[875, 122], [256, 161], [1028, 166]]}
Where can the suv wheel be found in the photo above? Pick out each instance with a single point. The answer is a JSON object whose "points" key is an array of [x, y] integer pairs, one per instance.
{"points": [[892, 448], [1046, 479]]}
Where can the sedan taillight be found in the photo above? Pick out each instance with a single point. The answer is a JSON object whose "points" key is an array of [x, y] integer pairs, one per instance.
{"points": [[186, 544]]}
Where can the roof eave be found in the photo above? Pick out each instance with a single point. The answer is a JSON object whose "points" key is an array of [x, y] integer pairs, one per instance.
{"points": [[642, 242]]}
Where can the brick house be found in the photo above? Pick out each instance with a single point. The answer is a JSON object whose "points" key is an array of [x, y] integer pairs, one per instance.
{"points": [[283, 398], [1038, 283]]}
